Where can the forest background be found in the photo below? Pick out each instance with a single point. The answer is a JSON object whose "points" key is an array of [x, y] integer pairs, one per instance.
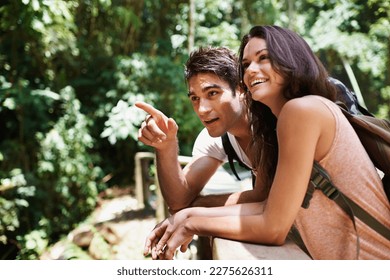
{"points": [[70, 72]]}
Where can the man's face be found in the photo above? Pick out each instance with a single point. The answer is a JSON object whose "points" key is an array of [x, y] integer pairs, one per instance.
{"points": [[214, 103]]}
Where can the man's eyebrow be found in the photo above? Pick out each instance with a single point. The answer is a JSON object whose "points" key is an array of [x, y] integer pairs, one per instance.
{"points": [[206, 88]]}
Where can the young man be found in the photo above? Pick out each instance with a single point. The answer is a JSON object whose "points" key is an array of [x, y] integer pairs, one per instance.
{"points": [[213, 89]]}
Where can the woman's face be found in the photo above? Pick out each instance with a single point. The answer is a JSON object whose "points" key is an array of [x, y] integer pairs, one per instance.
{"points": [[262, 81]]}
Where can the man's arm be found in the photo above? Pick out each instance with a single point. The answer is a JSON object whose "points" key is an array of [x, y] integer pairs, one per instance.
{"points": [[181, 187]]}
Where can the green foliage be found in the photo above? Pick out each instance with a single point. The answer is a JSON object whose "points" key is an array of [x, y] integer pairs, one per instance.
{"points": [[263, 12], [64, 174], [215, 18], [122, 122], [74, 252], [384, 108], [32, 244], [14, 197], [70, 72], [348, 33], [68, 179]]}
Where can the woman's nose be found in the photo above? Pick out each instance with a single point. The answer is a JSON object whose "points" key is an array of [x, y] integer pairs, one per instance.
{"points": [[253, 67], [251, 70]]}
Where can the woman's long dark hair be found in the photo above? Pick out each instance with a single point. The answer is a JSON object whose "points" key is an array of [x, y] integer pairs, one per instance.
{"points": [[303, 74]]}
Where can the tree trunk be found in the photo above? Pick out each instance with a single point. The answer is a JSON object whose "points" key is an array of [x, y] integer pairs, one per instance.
{"points": [[291, 14], [191, 26]]}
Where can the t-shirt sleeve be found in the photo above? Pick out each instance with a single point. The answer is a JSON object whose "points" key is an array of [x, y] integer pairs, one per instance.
{"points": [[205, 145]]}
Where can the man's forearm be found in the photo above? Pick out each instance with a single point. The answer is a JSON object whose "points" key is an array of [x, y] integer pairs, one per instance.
{"points": [[172, 181]]}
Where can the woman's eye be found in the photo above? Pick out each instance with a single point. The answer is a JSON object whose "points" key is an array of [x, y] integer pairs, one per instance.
{"points": [[264, 56]]}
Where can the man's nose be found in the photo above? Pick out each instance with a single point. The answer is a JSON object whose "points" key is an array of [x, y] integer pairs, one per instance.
{"points": [[204, 106]]}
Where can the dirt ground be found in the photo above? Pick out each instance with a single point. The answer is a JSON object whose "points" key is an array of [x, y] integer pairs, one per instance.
{"points": [[117, 230]]}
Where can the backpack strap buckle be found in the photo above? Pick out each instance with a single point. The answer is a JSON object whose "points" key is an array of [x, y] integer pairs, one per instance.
{"points": [[327, 188], [319, 180]]}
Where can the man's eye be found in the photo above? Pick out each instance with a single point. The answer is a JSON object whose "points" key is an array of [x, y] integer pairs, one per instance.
{"points": [[213, 93], [194, 98]]}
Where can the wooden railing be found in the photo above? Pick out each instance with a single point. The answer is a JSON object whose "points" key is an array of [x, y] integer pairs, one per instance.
{"points": [[224, 249]]}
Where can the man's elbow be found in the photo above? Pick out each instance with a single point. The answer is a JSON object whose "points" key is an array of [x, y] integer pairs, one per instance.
{"points": [[174, 207], [173, 211]]}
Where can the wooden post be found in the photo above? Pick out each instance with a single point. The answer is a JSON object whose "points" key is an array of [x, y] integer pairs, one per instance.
{"points": [[142, 163], [140, 179]]}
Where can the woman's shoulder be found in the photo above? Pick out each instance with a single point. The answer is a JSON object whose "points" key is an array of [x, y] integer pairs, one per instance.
{"points": [[307, 113], [310, 122], [308, 100], [305, 106]]}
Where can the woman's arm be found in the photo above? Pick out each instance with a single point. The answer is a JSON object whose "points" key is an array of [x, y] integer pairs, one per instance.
{"points": [[305, 131]]}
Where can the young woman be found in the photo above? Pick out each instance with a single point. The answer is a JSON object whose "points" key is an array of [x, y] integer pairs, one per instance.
{"points": [[295, 122]]}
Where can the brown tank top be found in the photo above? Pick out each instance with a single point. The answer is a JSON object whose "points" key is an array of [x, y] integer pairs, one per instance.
{"points": [[326, 229]]}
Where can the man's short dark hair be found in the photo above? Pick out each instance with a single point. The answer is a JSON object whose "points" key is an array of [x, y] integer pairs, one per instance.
{"points": [[220, 61]]}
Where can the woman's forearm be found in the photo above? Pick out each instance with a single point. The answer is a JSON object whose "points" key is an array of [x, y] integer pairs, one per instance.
{"points": [[254, 208], [244, 222], [249, 228]]}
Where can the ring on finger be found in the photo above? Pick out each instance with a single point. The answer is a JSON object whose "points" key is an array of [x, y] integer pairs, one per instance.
{"points": [[147, 118]]}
